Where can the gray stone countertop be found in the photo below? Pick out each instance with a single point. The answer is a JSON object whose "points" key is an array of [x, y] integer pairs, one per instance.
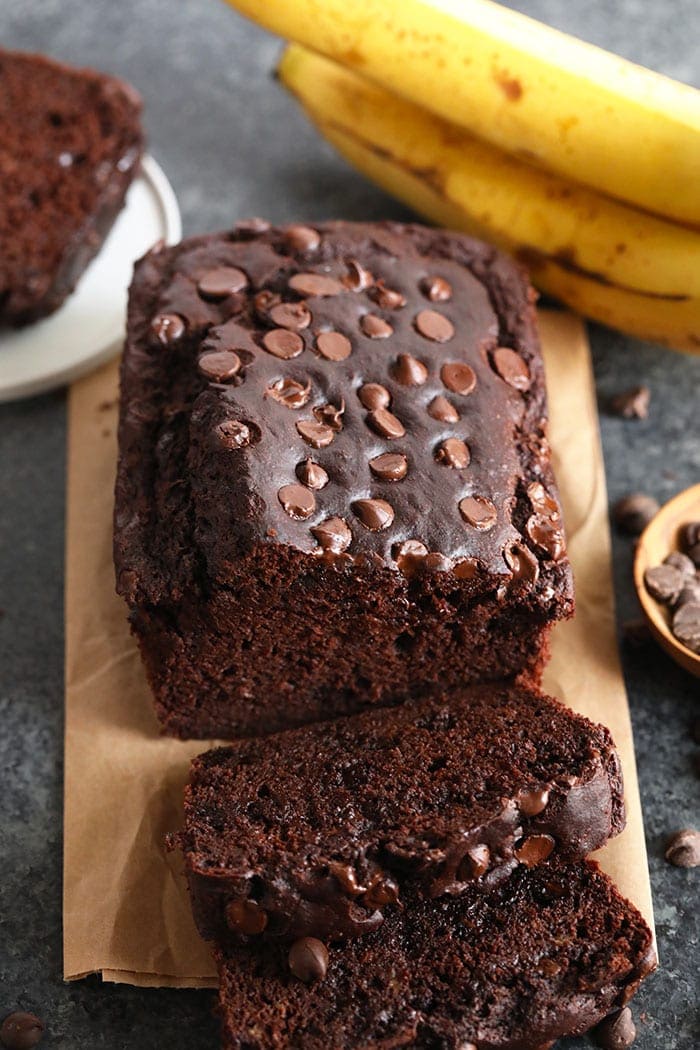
{"points": [[234, 145]]}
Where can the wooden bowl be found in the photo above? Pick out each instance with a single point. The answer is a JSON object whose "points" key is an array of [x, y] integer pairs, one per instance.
{"points": [[658, 539]]}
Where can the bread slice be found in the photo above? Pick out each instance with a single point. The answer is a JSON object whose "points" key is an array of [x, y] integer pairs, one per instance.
{"points": [[323, 830], [70, 146]]}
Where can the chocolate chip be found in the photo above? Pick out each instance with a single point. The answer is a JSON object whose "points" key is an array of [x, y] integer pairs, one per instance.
{"points": [[331, 415], [375, 327], [297, 501], [690, 535], [294, 316], [223, 281], [690, 592], [633, 513], [318, 435], [390, 466], [534, 850], [479, 512], [334, 346], [219, 365], [373, 396], [664, 583], [247, 228], [458, 377], [453, 453], [312, 474], [437, 289], [631, 404], [683, 848], [308, 959], [409, 371], [466, 568], [374, 514], [441, 409], [333, 534], [387, 298], [21, 1031], [232, 433], [532, 801], [302, 238], [358, 278], [474, 864], [522, 563], [542, 503], [511, 368], [384, 890], [167, 328], [315, 284], [547, 535], [686, 625], [280, 342], [246, 917], [264, 301], [385, 423], [289, 392], [434, 326], [409, 556], [681, 562], [616, 1032]]}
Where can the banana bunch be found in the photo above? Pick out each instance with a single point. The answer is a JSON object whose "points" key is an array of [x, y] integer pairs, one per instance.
{"points": [[585, 167]]}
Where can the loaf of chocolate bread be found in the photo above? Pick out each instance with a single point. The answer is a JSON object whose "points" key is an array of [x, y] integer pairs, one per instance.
{"points": [[70, 146], [323, 830]]}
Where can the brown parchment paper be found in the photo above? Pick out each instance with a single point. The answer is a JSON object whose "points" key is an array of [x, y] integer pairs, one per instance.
{"points": [[126, 913]]}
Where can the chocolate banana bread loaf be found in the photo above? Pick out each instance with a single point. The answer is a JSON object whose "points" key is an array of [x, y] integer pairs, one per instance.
{"points": [[334, 483], [322, 830], [70, 145], [547, 953]]}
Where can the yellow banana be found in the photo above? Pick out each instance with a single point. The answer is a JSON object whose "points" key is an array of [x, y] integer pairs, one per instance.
{"points": [[529, 89], [607, 260]]}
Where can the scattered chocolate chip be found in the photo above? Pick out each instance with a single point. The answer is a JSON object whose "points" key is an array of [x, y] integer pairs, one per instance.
{"points": [[21, 1031], [534, 850], [683, 848], [390, 466], [633, 513], [318, 435], [315, 284], [466, 568], [297, 501], [280, 342], [409, 371], [409, 556], [546, 534], [458, 377], [289, 392], [681, 562], [479, 512], [219, 365], [302, 238], [437, 289], [334, 346], [532, 801], [374, 514], [690, 535], [308, 959], [264, 301], [686, 625], [246, 917], [384, 890], [387, 298], [385, 423], [223, 281], [434, 326], [333, 534], [636, 632], [541, 502], [474, 864], [664, 583], [453, 452], [358, 278], [616, 1032], [373, 396], [294, 316], [631, 404], [232, 433], [312, 474], [375, 327], [441, 409], [167, 328], [511, 368], [522, 563], [331, 415]]}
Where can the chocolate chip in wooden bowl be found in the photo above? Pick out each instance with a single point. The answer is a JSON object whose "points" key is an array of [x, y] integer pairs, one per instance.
{"points": [[690, 535], [664, 582], [683, 848], [633, 513], [681, 562], [616, 1032], [21, 1031], [631, 404], [686, 625], [308, 959]]}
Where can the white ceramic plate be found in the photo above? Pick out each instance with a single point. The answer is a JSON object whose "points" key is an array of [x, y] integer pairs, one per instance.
{"points": [[88, 329]]}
